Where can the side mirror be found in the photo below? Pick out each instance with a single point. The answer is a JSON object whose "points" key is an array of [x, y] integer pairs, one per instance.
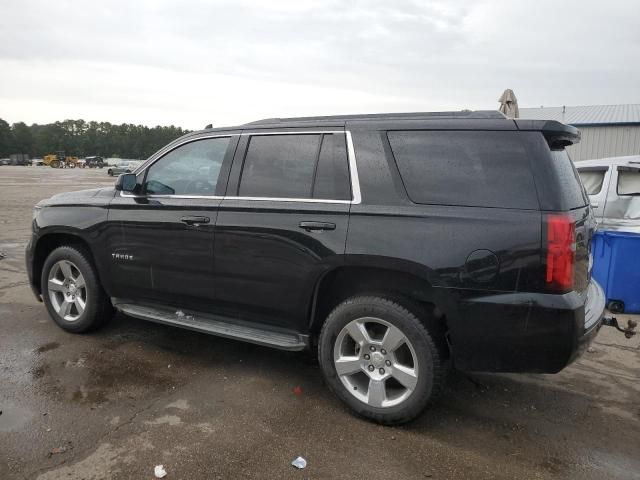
{"points": [[127, 182]]}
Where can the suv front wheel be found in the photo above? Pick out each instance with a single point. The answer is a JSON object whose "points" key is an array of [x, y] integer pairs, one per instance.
{"points": [[379, 358], [72, 292]]}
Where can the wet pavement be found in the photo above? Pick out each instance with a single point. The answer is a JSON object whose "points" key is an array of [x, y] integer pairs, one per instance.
{"points": [[115, 403]]}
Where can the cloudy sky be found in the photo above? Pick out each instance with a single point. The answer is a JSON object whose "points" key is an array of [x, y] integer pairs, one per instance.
{"points": [[227, 62]]}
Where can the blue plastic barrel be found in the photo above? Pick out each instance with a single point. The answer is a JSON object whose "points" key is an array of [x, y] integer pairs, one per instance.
{"points": [[616, 267]]}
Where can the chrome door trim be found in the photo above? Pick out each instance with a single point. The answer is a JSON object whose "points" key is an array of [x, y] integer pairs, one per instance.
{"points": [[356, 196]]}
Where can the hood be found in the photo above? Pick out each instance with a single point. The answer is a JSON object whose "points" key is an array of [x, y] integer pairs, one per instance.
{"points": [[94, 196]]}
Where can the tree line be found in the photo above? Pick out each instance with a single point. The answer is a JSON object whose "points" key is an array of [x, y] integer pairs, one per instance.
{"points": [[82, 139]]}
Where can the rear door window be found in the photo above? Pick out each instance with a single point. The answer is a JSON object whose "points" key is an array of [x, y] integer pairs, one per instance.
{"points": [[332, 176], [296, 166], [466, 168]]}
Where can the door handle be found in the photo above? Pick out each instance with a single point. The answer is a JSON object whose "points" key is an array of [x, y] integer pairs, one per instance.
{"points": [[315, 226], [194, 220], [595, 204]]}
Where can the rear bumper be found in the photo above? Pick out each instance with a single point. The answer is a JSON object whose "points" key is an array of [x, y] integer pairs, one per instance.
{"points": [[594, 308], [525, 332]]}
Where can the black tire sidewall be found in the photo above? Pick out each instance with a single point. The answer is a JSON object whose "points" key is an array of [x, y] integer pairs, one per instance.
{"points": [[417, 335], [91, 317]]}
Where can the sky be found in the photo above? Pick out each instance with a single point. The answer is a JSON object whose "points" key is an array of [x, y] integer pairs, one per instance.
{"points": [[165, 62]]}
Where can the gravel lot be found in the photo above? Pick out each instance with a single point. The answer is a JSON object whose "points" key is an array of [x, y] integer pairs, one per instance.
{"points": [[115, 403]]}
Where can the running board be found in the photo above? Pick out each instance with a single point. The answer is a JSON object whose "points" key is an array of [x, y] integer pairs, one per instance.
{"points": [[215, 325]]}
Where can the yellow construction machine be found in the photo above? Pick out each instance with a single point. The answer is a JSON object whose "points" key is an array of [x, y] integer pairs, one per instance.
{"points": [[59, 160]]}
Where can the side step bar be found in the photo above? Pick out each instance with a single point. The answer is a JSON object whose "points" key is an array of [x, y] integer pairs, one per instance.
{"points": [[215, 325]]}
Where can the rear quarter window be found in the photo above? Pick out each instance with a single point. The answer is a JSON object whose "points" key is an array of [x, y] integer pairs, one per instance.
{"points": [[592, 180], [466, 168]]}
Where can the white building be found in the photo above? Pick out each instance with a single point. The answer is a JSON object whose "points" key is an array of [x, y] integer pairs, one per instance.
{"points": [[607, 130]]}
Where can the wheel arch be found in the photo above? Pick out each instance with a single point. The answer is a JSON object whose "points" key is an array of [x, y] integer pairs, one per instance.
{"points": [[407, 284], [49, 242]]}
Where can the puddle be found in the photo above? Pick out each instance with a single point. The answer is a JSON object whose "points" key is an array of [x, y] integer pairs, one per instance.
{"points": [[97, 377], [13, 418]]}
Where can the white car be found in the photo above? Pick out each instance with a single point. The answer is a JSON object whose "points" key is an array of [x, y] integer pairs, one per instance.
{"points": [[613, 186]]}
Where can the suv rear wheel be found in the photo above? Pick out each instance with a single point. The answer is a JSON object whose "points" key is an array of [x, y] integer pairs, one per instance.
{"points": [[71, 291], [378, 357]]}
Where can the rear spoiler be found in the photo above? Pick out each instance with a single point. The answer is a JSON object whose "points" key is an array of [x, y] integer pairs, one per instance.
{"points": [[558, 135]]}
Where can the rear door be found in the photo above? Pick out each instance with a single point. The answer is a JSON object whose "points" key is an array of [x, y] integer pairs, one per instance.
{"points": [[282, 224]]}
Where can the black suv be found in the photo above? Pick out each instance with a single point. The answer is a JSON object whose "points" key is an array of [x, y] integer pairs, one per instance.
{"points": [[396, 245]]}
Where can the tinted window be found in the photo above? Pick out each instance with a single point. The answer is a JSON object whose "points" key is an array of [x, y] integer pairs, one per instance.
{"points": [[488, 169], [628, 181], [191, 169], [332, 177], [568, 178], [592, 180], [279, 166]]}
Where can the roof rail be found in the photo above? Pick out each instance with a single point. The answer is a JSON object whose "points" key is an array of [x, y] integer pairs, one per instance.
{"points": [[467, 114]]}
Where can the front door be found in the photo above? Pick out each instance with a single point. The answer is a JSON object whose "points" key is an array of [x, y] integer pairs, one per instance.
{"points": [[282, 224], [161, 240]]}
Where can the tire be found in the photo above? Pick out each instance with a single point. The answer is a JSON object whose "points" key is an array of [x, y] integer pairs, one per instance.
{"points": [[73, 263], [110, 172], [418, 352], [55, 164]]}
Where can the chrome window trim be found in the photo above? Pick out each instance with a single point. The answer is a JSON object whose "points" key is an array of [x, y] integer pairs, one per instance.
{"points": [[298, 132], [356, 196], [353, 170], [287, 199]]}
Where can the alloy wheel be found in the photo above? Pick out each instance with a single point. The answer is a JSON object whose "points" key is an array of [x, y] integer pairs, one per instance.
{"points": [[67, 290], [376, 362]]}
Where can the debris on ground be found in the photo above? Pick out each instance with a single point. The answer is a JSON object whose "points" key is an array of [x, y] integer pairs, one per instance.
{"points": [[59, 450], [56, 451], [159, 471], [297, 391], [299, 463], [179, 314], [3, 255]]}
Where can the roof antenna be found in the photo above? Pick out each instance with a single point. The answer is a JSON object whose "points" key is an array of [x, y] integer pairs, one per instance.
{"points": [[209, 126]]}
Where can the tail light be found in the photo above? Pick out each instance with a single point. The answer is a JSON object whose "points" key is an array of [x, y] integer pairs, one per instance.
{"points": [[561, 252]]}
